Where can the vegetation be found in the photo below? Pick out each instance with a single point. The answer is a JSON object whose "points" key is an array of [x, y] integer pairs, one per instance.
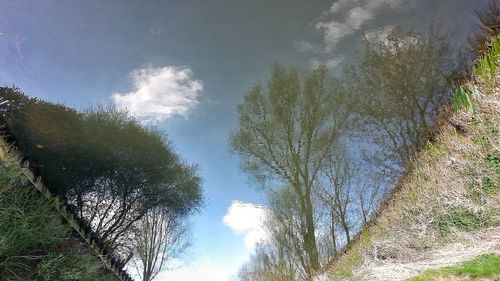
{"points": [[485, 266], [462, 219], [109, 169], [292, 137], [35, 245], [397, 105], [450, 190], [158, 237], [437, 145], [286, 133], [400, 90]]}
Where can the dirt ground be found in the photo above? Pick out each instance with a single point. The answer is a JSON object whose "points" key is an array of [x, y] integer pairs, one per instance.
{"points": [[474, 245]]}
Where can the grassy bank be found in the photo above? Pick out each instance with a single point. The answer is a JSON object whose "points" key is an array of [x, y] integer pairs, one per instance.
{"points": [[34, 242], [447, 206]]}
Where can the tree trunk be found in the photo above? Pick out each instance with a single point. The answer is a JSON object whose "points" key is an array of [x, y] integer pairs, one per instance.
{"points": [[310, 238], [332, 232], [346, 230]]}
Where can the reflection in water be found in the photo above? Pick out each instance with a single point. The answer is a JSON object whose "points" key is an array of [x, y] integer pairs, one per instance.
{"points": [[399, 88], [326, 146], [395, 94], [115, 174]]}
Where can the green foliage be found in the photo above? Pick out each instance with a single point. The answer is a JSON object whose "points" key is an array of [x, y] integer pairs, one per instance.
{"points": [[484, 177], [62, 266], [286, 131], [461, 219], [491, 181], [461, 99], [25, 217], [485, 266], [103, 153], [487, 64], [74, 150], [34, 244]]}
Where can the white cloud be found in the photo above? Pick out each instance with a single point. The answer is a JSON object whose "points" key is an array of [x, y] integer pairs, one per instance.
{"points": [[357, 13], [206, 271], [357, 16], [160, 93], [333, 32], [247, 219]]}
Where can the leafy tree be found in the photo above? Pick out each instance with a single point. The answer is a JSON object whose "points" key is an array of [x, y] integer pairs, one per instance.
{"points": [[107, 166], [286, 131]]}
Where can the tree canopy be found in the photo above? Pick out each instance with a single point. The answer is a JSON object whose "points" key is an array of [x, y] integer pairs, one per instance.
{"points": [[286, 132], [110, 168]]}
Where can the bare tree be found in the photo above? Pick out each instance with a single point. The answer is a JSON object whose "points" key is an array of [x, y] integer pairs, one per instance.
{"points": [[335, 192], [266, 265], [157, 238], [369, 194], [401, 88]]}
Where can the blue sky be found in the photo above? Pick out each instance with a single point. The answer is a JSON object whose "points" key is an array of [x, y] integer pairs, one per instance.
{"points": [[185, 66]]}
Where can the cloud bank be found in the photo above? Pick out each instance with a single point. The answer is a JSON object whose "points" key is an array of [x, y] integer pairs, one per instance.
{"points": [[160, 93], [247, 219]]}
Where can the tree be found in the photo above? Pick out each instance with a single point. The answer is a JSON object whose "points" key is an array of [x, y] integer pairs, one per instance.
{"points": [[401, 88], [284, 226], [369, 194], [266, 265], [108, 167], [285, 134], [335, 192], [157, 238]]}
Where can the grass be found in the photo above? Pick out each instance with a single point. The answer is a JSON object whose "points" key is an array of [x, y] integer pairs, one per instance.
{"points": [[487, 66], [462, 219], [355, 258], [34, 243], [451, 190], [485, 266], [491, 183], [461, 99]]}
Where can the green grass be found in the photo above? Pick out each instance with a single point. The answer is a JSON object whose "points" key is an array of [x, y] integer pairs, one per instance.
{"points": [[485, 266], [491, 182], [487, 65], [34, 243], [461, 99], [462, 219]]}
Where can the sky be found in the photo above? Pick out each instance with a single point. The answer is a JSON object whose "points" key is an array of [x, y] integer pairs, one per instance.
{"points": [[184, 66]]}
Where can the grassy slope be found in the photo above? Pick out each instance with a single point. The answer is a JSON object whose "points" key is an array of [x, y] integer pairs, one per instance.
{"points": [[34, 244], [450, 197]]}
